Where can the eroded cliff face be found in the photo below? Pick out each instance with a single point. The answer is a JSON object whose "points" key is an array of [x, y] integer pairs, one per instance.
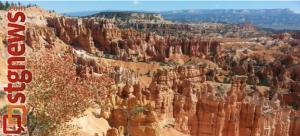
{"points": [[123, 97], [71, 31], [283, 36], [124, 92], [145, 123], [201, 109], [296, 35], [40, 37], [88, 34]]}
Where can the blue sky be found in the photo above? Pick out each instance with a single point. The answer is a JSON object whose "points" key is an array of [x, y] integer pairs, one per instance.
{"points": [[73, 6]]}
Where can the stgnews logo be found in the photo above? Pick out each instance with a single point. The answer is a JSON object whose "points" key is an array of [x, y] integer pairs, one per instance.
{"points": [[16, 71]]}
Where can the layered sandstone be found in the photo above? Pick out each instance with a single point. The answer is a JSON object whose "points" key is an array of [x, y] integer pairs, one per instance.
{"points": [[127, 97], [281, 36], [39, 37], [71, 31], [202, 109], [247, 26], [122, 42], [296, 35]]}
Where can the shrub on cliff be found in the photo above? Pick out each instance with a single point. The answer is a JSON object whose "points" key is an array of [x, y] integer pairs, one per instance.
{"points": [[132, 113], [56, 94]]}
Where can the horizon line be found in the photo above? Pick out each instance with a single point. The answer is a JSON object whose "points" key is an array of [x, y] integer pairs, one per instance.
{"points": [[178, 10]]}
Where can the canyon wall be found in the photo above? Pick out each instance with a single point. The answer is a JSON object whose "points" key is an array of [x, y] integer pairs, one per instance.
{"points": [[203, 109], [91, 35]]}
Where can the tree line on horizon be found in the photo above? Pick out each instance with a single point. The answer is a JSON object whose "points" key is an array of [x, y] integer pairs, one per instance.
{"points": [[6, 5]]}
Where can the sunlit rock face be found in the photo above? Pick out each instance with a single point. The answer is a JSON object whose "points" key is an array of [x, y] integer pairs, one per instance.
{"points": [[200, 109], [88, 34]]}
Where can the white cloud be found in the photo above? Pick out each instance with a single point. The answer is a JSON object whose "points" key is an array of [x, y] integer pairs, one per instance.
{"points": [[136, 2], [216, 5]]}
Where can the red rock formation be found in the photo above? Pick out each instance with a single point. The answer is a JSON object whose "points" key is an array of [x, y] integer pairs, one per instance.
{"points": [[82, 33], [277, 75], [200, 109], [289, 60], [281, 36], [296, 35], [87, 66], [115, 131], [122, 75], [295, 86], [72, 31], [247, 26], [295, 75], [145, 123], [294, 125], [243, 69], [35, 34]]}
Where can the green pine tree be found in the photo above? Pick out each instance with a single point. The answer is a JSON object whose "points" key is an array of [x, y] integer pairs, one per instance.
{"points": [[7, 5], [29, 5], [2, 6]]}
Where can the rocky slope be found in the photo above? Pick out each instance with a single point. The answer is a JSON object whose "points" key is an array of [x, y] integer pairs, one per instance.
{"points": [[90, 33], [200, 108]]}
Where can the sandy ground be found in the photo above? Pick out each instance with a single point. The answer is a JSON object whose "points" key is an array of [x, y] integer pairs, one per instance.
{"points": [[141, 66], [209, 63], [242, 45], [90, 124]]}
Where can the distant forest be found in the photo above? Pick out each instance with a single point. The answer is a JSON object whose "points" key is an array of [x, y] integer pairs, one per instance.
{"points": [[6, 5]]}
